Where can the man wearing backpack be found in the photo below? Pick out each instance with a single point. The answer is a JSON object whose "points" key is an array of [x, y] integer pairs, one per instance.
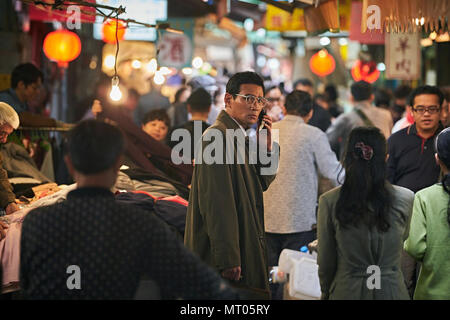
{"points": [[364, 113]]}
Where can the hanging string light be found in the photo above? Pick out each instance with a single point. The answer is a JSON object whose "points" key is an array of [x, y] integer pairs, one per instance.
{"points": [[115, 93]]}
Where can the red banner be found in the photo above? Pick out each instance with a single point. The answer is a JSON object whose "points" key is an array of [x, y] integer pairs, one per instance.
{"points": [[46, 13]]}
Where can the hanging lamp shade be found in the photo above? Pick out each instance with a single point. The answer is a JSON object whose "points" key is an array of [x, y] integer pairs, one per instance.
{"points": [[365, 71], [62, 46], [109, 30], [322, 63]]}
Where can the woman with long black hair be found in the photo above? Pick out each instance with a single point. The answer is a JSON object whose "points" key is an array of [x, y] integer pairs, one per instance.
{"points": [[429, 236], [362, 225]]}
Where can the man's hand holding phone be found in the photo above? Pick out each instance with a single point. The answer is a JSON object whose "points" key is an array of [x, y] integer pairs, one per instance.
{"points": [[265, 122]]}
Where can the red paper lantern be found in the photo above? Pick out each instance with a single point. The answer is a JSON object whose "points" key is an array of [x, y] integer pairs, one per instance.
{"points": [[62, 46], [322, 63], [365, 71], [109, 30]]}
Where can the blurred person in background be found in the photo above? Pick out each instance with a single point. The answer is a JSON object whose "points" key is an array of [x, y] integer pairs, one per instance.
{"points": [[445, 115], [332, 97], [26, 85], [152, 100], [198, 105], [398, 108], [178, 112], [383, 98], [275, 108], [364, 113], [321, 118]]}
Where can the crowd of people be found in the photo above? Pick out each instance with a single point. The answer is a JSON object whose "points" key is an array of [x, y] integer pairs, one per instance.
{"points": [[371, 185]]}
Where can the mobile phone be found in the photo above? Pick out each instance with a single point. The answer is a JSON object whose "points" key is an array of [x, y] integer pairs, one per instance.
{"points": [[260, 119]]}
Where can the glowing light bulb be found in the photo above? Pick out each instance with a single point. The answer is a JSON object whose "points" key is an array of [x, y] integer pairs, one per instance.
{"points": [[165, 71], [324, 41], [187, 71], [152, 66], [110, 60], [159, 78], [115, 93], [136, 64], [197, 62]]}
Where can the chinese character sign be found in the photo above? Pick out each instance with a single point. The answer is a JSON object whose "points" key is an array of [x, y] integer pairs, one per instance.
{"points": [[176, 50], [403, 59]]}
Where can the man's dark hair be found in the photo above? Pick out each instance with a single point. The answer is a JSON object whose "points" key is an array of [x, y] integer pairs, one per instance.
{"points": [[361, 90], [158, 114], [298, 102], [179, 93], [28, 73], [426, 90], [200, 100], [273, 88], [247, 77], [134, 93], [304, 81], [331, 92], [382, 97], [402, 92], [94, 146]]}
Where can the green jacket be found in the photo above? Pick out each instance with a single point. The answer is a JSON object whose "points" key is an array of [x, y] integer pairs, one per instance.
{"points": [[344, 255], [6, 194], [429, 243], [225, 219]]}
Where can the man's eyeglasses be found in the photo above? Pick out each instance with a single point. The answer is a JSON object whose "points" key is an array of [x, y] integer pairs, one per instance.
{"points": [[250, 99], [423, 109]]}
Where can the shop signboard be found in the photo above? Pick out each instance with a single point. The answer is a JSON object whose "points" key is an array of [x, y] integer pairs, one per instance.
{"points": [[403, 58], [175, 50], [281, 20]]}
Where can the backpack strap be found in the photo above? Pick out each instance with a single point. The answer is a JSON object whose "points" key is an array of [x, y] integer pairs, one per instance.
{"points": [[363, 117]]}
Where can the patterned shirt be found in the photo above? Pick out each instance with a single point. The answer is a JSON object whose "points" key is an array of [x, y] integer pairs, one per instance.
{"points": [[112, 246]]}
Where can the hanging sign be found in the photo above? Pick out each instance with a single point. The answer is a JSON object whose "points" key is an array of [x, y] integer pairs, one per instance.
{"points": [[403, 58], [175, 50]]}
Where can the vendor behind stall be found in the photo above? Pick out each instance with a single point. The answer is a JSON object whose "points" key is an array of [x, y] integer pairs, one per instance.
{"points": [[9, 120]]}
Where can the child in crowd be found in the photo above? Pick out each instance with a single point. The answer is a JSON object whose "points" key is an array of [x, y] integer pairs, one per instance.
{"points": [[156, 124]]}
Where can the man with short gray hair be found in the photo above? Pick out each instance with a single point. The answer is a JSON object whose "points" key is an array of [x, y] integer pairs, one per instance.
{"points": [[9, 120]]}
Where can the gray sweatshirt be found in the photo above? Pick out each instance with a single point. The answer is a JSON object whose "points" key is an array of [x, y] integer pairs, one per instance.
{"points": [[290, 201]]}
